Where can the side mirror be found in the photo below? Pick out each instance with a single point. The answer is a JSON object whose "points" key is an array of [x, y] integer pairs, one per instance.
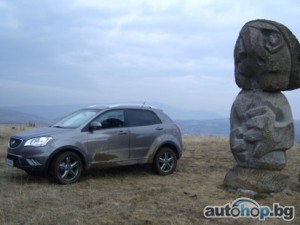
{"points": [[95, 125]]}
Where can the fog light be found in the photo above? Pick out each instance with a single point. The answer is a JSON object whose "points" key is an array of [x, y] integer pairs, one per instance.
{"points": [[33, 162]]}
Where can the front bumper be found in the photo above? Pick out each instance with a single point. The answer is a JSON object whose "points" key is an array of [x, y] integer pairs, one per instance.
{"points": [[29, 164]]}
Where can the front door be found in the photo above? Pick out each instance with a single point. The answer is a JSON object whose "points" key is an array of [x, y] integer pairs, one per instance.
{"points": [[110, 143]]}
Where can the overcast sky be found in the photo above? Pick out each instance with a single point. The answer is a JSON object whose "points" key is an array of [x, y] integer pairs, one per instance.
{"points": [[176, 52]]}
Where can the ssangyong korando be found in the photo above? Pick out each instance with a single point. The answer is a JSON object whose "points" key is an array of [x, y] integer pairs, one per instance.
{"points": [[103, 136]]}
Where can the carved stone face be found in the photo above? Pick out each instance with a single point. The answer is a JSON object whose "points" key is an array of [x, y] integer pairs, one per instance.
{"points": [[262, 58]]}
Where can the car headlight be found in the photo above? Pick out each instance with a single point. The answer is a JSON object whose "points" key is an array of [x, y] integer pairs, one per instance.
{"points": [[38, 142]]}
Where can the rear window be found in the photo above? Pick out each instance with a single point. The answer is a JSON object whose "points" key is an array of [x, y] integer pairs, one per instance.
{"points": [[141, 117]]}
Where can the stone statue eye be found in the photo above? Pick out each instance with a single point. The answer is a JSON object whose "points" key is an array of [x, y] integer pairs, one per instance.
{"points": [[273, 41]]}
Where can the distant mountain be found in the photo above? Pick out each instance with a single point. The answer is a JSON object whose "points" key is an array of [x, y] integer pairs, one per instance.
{"points": [[9, 116], [47, 112], [53, 112], [186, 114], [56, 111], [216, 127], [204, 124], [297, 130]]}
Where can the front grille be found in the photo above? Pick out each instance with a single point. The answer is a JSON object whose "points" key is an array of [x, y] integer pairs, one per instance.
{"points": [[14, 142]]}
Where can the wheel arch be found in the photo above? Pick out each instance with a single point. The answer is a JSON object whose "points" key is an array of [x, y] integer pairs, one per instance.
{"points": [[165, 159], [66, 149], [171, 146]]}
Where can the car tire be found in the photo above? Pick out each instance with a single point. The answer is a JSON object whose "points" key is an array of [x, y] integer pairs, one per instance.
{"points": [[165, 161], [66, 168]]}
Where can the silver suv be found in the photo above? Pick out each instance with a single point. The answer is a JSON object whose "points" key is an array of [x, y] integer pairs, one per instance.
{"points": [[98, 136]]}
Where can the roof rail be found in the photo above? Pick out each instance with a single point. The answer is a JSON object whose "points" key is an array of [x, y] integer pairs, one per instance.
{"points": [[132, 105], [98, 106]]}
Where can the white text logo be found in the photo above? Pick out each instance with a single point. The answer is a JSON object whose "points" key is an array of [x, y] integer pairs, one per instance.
{"points": [[248, 208]]}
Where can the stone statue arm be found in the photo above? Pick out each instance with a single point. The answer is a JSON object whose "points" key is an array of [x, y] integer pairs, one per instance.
{"points": [[268, 131]]}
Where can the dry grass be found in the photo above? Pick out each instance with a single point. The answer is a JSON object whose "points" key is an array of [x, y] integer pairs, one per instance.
{"points": [[135, 195]]}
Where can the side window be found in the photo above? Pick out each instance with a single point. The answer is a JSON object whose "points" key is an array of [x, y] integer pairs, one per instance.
{"points": [[141, 117], [111, 119]]}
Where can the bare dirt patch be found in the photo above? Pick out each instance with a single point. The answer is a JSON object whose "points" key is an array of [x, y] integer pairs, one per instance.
{"points": [[135, 194]]}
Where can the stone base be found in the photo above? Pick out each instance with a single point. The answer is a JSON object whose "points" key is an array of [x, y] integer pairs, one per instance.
{"points": [[256, 180]]}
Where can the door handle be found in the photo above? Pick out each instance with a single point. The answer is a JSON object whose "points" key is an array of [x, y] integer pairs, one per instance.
{"points": [[159, 128]]}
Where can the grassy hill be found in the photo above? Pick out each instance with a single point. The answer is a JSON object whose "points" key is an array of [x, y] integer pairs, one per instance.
{"points": [[135, 195]]}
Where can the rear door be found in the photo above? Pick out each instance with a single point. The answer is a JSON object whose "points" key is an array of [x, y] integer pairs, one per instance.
{"points": [[145, 127], [110, 143]]}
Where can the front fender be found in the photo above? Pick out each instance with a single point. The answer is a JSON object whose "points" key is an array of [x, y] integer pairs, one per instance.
{"points": [[69, 145]]}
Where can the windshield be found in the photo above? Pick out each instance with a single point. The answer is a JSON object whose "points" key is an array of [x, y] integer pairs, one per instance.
{"points": [[76, 119]]}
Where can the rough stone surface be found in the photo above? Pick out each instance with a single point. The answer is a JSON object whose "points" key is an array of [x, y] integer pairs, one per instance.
{"points": [[267, 61], [266, 57], [261, 129], [259, 181]]}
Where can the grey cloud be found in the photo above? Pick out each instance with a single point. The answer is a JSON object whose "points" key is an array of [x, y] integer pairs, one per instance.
{"points": [[85, 47]]}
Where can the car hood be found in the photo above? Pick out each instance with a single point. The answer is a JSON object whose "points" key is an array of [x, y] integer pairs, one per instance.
{"points": [[39, 132]]}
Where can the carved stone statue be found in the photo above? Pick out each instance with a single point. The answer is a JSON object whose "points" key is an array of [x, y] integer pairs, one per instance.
{"points": [[267, 59], [261, 129]]}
